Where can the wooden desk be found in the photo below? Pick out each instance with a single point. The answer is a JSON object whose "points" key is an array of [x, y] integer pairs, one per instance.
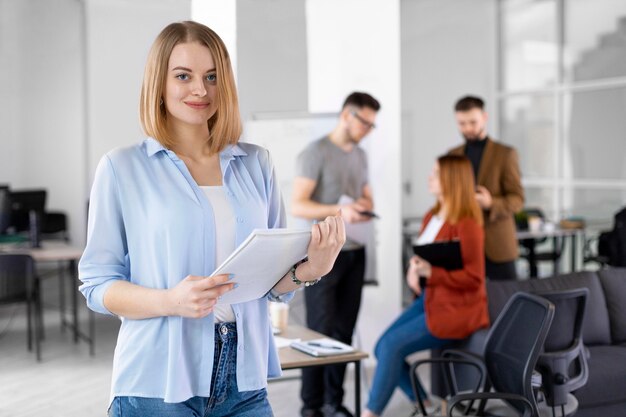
{"points": [[56, 251], [293, 359]]}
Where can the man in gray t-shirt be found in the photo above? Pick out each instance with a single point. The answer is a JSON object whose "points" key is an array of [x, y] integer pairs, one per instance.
{"points": [[331, 175]]}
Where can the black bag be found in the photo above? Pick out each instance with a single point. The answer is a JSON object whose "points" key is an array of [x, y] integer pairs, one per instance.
{"points": [[612, 244]]}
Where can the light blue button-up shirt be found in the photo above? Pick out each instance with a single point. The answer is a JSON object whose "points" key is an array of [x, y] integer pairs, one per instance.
{"points": [[150, 224]]}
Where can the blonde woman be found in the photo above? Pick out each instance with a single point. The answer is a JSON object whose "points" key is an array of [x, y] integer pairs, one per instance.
{"points": [[163, 214]]}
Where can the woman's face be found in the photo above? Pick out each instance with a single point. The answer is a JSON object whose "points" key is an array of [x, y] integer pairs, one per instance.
{"points": [[191, 86], [434, 185]]}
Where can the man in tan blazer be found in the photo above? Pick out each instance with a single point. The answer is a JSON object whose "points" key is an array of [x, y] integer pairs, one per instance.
{"points": [[498, 191]]}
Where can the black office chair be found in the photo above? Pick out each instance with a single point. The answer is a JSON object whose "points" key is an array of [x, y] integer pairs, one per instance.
{"points": [[563, 363], [18, 283], [601, 254], [610, 244], [510, 355], [529, 246], [54, 226], [450, 365]]}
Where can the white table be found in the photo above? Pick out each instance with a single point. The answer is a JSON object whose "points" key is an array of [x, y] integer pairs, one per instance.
{"points": [[555, 234], [57, 251]]}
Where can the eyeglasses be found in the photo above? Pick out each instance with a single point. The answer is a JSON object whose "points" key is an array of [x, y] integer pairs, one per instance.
{"points": [[365, 123]]}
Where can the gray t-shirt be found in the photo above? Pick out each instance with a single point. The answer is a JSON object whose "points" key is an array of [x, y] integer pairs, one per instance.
{"points": [[335, 171]]}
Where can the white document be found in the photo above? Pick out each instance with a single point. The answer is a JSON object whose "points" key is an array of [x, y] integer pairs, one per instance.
{"points": [[282, 342], [323, 347], [261, 260], [356, 232]]}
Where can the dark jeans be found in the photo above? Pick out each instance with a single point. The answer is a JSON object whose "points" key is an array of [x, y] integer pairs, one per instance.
{"points": [[500, 271], [332, 307]]}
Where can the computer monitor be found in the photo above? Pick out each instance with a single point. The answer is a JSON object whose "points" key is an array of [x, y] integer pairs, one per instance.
{"points": [[22, 202]]}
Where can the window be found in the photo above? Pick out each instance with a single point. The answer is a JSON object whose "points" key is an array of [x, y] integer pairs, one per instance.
{"points": [[562, 102]]}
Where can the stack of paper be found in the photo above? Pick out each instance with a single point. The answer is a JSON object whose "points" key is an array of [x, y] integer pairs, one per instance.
{"points": [[323, 347], [261, 260]]}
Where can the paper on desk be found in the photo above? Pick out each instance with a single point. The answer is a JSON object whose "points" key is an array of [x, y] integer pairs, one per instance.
{"points": [[282, 342], [322, 347], [261, 260], [357, 232]]}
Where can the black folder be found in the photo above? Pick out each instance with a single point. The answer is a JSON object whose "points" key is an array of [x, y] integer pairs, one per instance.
{"points": [[444, 254]]}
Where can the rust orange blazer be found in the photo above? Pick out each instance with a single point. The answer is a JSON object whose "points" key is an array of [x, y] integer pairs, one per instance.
{"points": [[456, 301], [499, 173]]}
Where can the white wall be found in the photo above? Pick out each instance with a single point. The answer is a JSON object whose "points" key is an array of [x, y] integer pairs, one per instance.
{"points": [[221, 16], [40, 102], [355, 45], [10, 150], [46, 139], [120, 33], [448, 50], [271, 56]]}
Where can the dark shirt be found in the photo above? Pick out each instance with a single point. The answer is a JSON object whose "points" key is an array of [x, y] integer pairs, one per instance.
{"points": [[474, 151]]}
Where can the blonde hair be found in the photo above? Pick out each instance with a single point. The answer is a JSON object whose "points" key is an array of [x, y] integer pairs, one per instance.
{"points": [[457, 189], [225, 125]]}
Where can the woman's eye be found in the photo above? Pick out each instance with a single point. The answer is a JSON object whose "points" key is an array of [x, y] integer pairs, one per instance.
{"points": [[211, 78], [182, 77]]}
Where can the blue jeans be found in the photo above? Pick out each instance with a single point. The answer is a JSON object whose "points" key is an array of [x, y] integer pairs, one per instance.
{"points": [[224, 401], [408, 334]]}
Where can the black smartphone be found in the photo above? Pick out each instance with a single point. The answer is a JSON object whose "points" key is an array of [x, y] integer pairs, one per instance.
{"points": [[369, 214]]}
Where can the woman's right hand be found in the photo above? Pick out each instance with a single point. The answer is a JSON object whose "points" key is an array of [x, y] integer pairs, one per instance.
{"points": [[195, 296]]}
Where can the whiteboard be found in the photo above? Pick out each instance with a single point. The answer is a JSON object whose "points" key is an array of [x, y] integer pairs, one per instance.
{"points": [[285, 135]]}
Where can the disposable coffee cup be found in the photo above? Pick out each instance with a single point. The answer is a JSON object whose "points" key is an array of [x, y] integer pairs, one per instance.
{"points": [[535, 223], [279, 313]]}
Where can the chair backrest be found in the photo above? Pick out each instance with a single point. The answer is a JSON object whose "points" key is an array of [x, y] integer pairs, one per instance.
{"points": [[612, 244], [563, 364], [569, 313], [514, 343], [5, 208], [16, 277]]}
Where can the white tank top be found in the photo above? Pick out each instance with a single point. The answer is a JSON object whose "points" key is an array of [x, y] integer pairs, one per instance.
{"points": [[224, 239]]}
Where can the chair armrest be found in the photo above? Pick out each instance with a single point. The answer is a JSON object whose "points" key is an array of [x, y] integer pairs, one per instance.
{"points": [[463, 354], [457, 400], [447, 364]]}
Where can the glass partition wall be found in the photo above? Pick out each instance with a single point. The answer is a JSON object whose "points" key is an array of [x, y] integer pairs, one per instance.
{"points": [[562, 103]]}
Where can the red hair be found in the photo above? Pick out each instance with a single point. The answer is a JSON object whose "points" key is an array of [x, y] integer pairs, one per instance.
{"points": [[458, 189]]}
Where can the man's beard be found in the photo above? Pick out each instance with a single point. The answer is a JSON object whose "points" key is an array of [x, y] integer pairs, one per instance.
{"points": [[473, 138], [353, 140]]}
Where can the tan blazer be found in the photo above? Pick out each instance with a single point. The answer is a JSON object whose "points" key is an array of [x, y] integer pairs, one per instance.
{"points": [[500, 174]]}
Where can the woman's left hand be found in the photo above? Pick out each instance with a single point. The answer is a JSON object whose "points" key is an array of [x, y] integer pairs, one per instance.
{"points": [[421, 266], [327, 239]]}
